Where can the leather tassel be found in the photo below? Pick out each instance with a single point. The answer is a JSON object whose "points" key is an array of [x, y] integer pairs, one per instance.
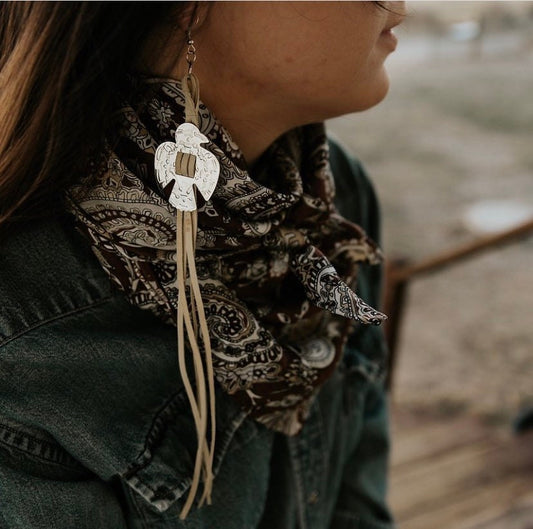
{"points": [[192, 169], [194, 333]]}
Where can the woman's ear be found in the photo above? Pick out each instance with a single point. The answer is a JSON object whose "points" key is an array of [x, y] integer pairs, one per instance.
{"points": [[193, 15]]}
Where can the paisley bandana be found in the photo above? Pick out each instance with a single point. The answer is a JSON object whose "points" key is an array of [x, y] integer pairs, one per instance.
{"points": [[276, 263]]}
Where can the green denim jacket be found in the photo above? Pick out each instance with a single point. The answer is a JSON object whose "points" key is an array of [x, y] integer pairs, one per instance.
{"points": [[95, 427]]}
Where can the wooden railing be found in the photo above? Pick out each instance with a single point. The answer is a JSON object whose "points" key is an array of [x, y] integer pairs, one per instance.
{"points": [[400, 272]]}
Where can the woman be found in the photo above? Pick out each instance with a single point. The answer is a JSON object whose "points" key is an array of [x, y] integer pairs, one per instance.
{"points": [[183, 143]]}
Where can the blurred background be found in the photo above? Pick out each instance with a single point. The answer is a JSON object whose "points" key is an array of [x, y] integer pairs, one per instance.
{"points": [[450, 152]]}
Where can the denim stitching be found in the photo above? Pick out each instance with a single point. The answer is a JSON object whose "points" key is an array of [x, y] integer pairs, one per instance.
{"points": [[156, 431], [155, 434], [57, 455], [131, 477], [142, 514], [229, 434], [55, 318]]}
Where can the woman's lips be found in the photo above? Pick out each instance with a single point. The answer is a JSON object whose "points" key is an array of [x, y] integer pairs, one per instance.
{"points": [[389, 38]]}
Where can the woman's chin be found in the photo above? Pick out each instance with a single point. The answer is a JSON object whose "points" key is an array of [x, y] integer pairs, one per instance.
{"points": [[345, 101], [363, 99], [374, 94]]}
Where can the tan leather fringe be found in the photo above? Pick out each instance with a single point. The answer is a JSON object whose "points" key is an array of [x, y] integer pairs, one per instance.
{"points": [[192, 324]]}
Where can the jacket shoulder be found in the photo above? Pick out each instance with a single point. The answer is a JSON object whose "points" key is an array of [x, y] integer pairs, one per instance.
{"points": [[46, 272], [90, 382]]}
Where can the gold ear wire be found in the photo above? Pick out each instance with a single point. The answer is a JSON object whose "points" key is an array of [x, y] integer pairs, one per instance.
{"points": [[191, 50]]}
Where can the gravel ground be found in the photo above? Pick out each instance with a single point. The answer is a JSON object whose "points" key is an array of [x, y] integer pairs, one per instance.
{"points": [[455, 131]]}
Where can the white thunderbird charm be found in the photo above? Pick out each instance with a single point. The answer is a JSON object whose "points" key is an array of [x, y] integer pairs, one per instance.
{"points": [[187, 163]]}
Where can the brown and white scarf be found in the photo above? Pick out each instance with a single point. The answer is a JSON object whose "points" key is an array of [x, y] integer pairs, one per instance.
{"points": [[276, 263]]}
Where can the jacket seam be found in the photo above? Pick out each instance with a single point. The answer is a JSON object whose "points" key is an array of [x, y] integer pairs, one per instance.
{"points": [[60, 453], [158, 426], [300, 502], [156, 431], [55, 318], [186, 481], [40, 457]]}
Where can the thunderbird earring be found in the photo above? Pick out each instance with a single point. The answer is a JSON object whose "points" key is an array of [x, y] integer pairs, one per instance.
{"points": [[192, 169]]}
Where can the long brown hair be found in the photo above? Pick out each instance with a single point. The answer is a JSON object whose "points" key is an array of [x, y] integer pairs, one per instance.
{"points": [[61, 65]]}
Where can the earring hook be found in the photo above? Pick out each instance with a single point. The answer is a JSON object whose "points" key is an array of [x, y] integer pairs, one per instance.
{"points": [[191, 49]]}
